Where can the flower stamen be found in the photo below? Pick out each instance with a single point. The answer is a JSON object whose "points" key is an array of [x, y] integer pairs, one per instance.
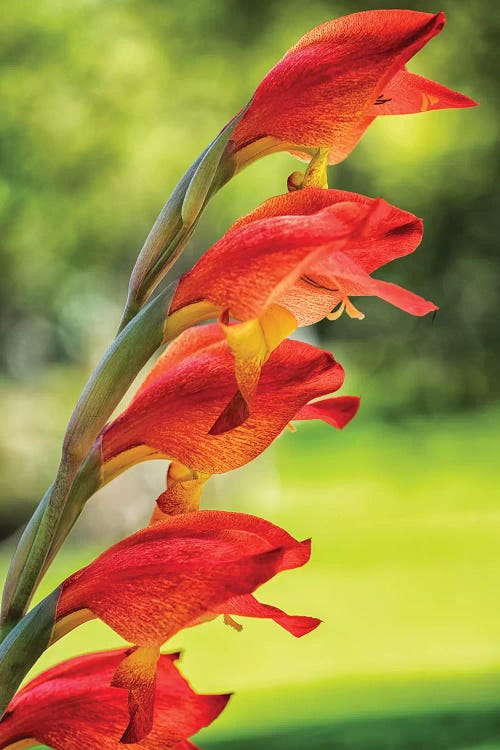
{"points": [[228, 620], [345, 305]]}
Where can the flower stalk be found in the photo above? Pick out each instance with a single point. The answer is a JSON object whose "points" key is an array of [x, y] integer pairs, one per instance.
{"points": [[217, 397]]}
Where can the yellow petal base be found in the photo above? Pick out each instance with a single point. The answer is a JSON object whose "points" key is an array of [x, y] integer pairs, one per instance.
{"points": [[183, 493]]}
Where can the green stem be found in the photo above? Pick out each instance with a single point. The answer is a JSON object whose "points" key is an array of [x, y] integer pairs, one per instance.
{"points": [[87, 481], [178, 218], [111, 379], [23, 645]]}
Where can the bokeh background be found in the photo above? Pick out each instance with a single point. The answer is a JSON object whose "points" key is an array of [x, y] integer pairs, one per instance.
{"points": [[104, 103]]}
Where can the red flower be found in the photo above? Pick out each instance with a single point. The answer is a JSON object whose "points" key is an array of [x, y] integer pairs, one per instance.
{"points": [[170, 576], [332, 84], [188, 389], [74, 707], [293, 261]]}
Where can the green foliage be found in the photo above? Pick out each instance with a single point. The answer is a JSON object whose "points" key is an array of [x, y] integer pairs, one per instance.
{"points": [[450, 731]]}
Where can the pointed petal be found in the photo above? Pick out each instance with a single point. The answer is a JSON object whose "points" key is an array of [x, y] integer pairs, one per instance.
{"points": [[354, 281], [402, 298], [175, 413], [334, 411], [407, 93], [260, 260], [249, 606], [137, 674], [253, 262]]}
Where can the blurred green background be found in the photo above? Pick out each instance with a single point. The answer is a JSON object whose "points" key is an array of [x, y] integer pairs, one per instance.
{"points": [[104, 103]]}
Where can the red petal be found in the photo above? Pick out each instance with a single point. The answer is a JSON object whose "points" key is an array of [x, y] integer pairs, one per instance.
{"points": [[334, 411], [55, 707], [248, 606], [336, 269], [408, 93], [189, 342], [300, 203], [249, 265], [162, 578], [392, 234], [175, 413]]}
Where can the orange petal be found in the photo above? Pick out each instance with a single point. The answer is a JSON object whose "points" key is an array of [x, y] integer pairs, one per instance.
{"points": [[407, 93], [183, 493], [173, 415], [73, 705], [263, 260], [340, 276], [137, 674], [164, 577], [252, 262]]}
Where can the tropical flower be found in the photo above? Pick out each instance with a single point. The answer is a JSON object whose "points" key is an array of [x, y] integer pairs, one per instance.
{"points": [[331, 85], [73, 706], [186, 392], [317, 101], [296, 259], [172, 575]]}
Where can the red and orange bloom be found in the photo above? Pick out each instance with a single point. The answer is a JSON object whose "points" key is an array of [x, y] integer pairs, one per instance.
{"points": [[73, 706], [186, 392], [296, 259], [317, 101], [172, 575], [331, 85]]}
